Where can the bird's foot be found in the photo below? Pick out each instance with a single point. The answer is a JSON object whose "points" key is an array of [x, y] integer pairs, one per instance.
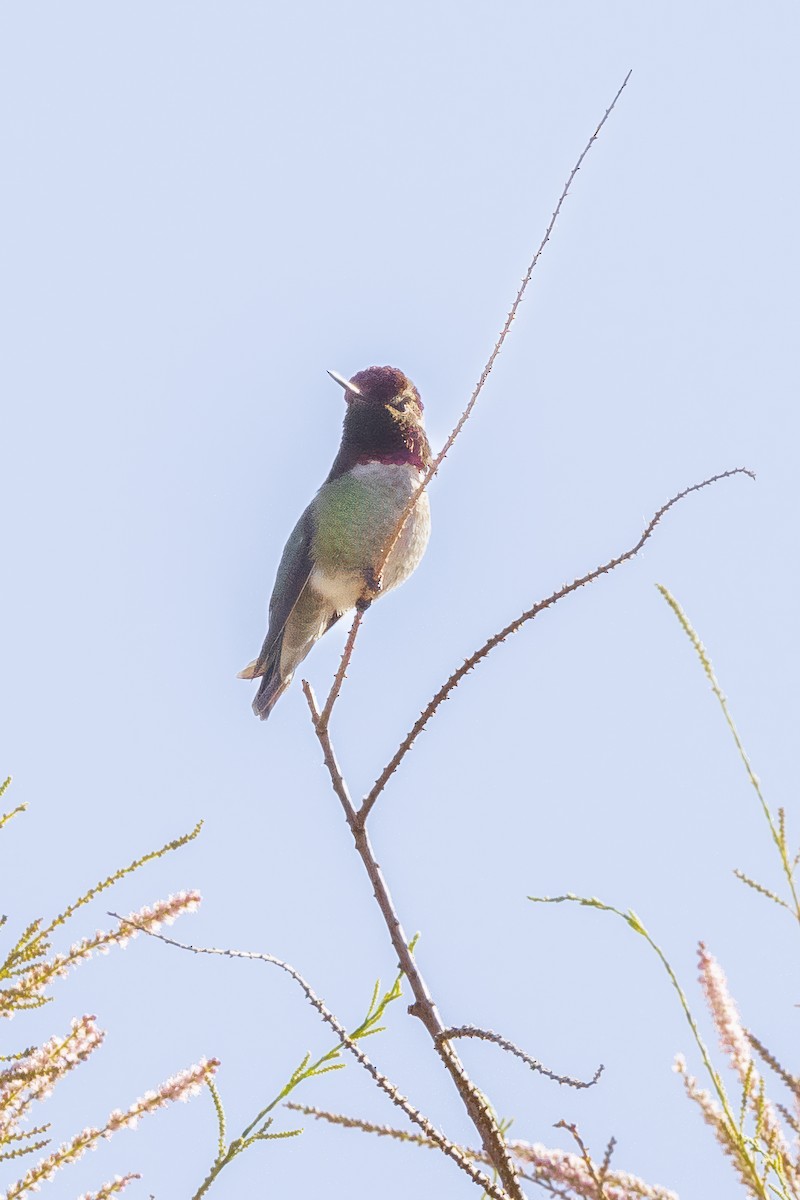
{"points": [[373, 586]]}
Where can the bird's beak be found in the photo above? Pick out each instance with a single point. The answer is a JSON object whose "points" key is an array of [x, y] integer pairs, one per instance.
{"points": [[345, 383]]}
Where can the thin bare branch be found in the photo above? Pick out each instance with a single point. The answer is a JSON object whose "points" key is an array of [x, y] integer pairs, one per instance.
{"points": [[395, 1095], [586, 1157], [790, 1120], [606, 1163], [413, 1139], [556, 1171], [341, 672], [477, 1106], [486, 1035], [462, 420], [405, 1135], [390, 1131], [791, 1081], [495, 640], [759, 887]]}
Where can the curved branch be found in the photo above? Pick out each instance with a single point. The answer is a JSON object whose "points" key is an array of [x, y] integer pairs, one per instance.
{"points": [[424, 1007], [486, 1035], [339, 677], [395, 1095], [495, 640]]}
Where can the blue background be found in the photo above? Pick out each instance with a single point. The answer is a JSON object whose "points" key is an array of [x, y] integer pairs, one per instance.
{"points": [[205, 206]]}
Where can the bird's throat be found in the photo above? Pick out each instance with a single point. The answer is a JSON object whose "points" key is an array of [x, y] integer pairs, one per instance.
{"points": [[404, 457]]}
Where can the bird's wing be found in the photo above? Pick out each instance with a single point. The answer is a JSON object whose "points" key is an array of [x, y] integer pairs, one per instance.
{"points": [[293, 575]]}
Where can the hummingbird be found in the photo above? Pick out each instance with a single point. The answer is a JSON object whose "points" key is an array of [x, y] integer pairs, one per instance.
{"points": [[330, 562]]}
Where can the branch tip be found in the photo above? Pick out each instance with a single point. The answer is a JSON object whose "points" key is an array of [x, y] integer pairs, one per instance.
{"points": [[433, 469], [487, 1035], [469, 663]]}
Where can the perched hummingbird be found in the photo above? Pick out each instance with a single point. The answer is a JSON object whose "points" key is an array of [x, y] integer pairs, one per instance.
{"points": [[330, 561]]}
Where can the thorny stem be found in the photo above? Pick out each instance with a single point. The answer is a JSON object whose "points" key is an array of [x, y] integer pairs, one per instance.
{"points": [[423, 1007], [400, 1135], [395, 1095], [339, 678], [404, 1135], [495, 640], [487, 1035], [622, 1183]]}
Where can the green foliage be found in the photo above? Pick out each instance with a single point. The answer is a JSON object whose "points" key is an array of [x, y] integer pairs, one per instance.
{"points": [[260, 1128], [777, 827], [28, 1075], [6, 817], [27, 971], [750, 1133]]}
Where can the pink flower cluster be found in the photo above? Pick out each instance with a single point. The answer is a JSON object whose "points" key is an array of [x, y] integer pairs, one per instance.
{"points": [[735, 1043], [34, 1076], [715, 1118], [721, 1005], [571, 1171], [112, 1188], [182, 1086], [148, 920]]}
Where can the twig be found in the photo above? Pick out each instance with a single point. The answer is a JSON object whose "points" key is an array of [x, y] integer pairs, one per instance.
{"points": [[395, 1095], [486, 1035], [547, 1164], [495, 640], [339, 677], [587, 1158], [423, 1007], [606, 1163], [413, 1139], [462, 420], [390, 1131], [791, 1081]]}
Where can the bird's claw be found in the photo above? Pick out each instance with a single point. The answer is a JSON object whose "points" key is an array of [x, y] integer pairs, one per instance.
{"points": [[372, 589]]}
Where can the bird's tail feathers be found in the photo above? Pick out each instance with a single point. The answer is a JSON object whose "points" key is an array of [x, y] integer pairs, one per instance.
{"points": [[272, 688], [252, 670], [282, 652], [274, 682]]}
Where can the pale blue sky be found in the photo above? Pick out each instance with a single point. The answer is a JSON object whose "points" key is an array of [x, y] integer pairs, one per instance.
{"points": [[204, 207]]}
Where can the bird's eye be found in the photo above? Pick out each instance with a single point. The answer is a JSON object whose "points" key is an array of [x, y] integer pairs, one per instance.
{"points": [[398, 404]]}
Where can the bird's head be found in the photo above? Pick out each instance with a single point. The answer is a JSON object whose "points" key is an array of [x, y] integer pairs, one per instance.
{"points": [[384, 420], [382, 388]]}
